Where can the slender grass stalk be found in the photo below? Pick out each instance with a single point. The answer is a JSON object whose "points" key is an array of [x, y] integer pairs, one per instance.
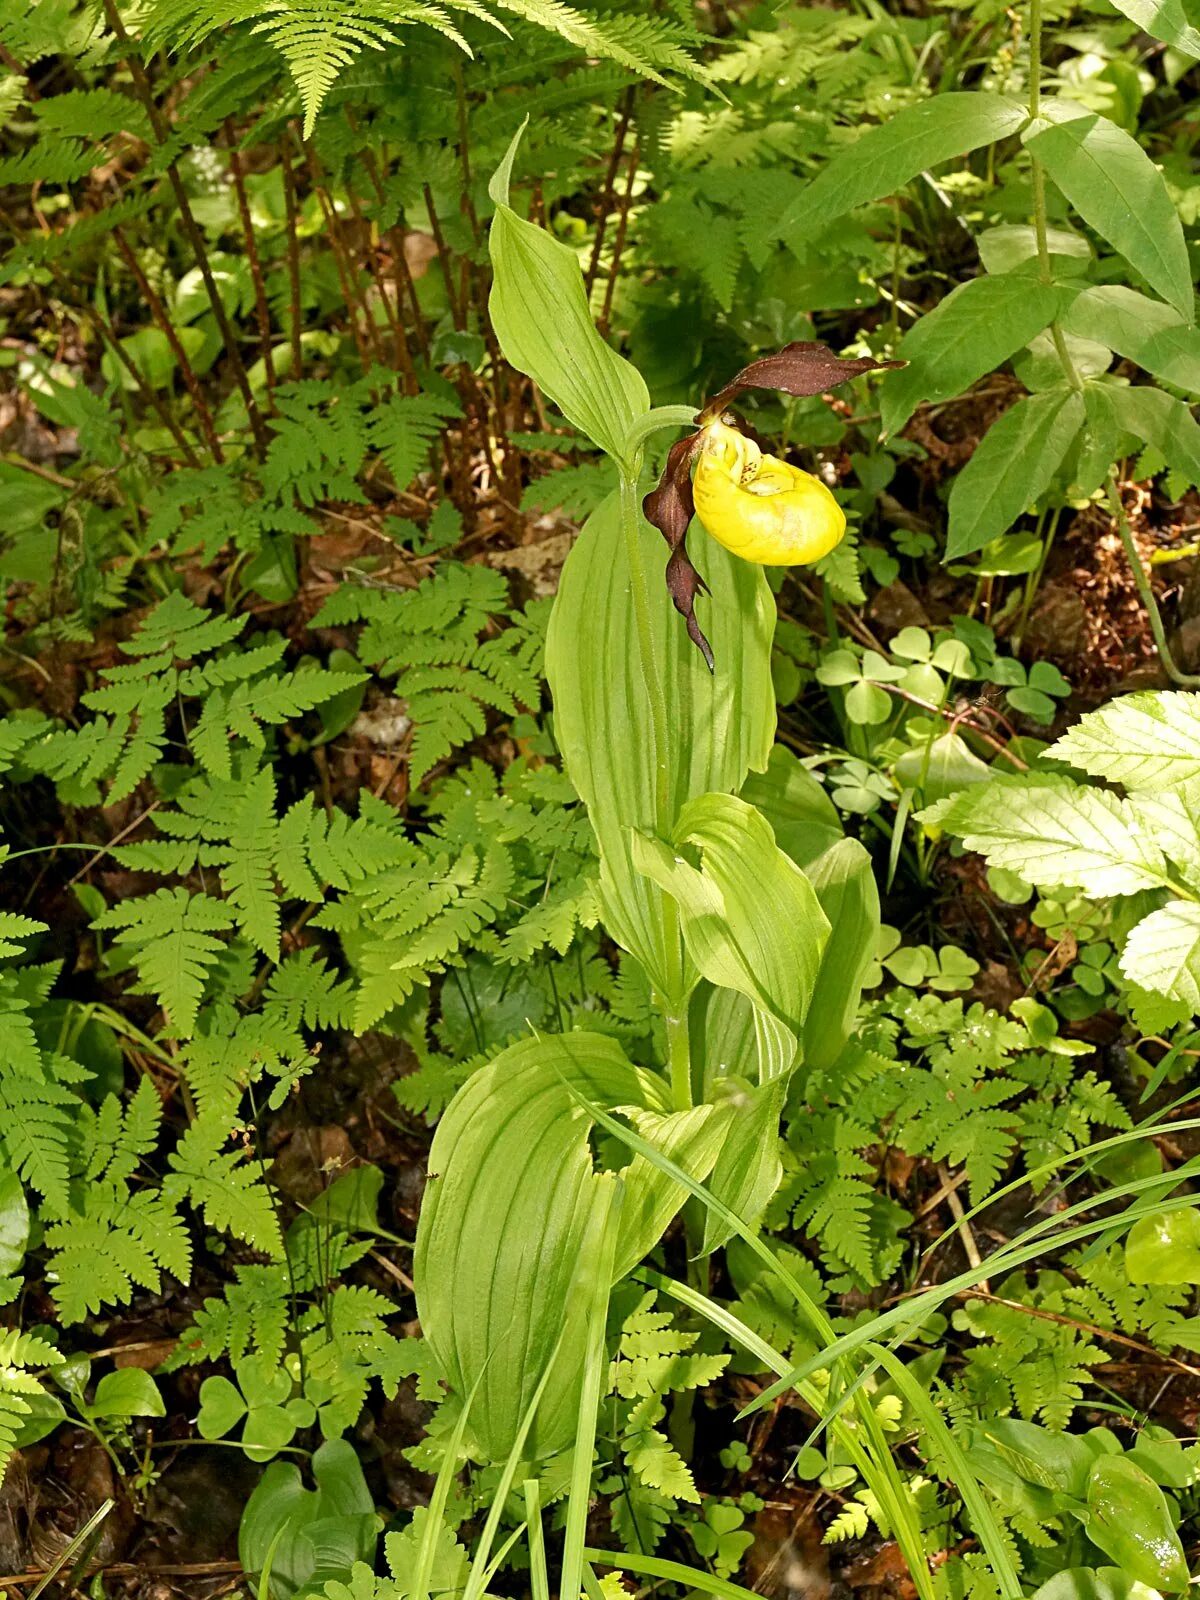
{"points": [[865, 1442], [539, 1577], [599, 1288]]}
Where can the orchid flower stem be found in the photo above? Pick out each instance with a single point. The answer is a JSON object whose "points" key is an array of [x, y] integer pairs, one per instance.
{"points": [[1185, 680], [674, 1002], [653, 422]]}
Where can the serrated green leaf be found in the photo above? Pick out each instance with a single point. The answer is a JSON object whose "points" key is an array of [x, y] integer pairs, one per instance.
{"points": [[1055, 832], [1145, 741], [1162, 953]]}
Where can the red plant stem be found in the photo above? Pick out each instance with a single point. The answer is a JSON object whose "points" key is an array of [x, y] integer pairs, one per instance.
{"points": [[163, 322], [293, 258], [145, 94], [261, 309], [619, 241]]}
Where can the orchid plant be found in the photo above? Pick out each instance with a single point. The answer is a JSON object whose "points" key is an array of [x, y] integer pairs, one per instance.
{"points": [[717, 876]]}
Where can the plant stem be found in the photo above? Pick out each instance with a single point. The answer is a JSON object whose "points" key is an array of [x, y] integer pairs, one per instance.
{"points": [[1039, 189], [261, 310], [1185, 680], [679, 1055]]}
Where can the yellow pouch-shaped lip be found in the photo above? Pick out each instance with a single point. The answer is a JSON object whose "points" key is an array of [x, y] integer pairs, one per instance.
{"points": [[762, 508]]}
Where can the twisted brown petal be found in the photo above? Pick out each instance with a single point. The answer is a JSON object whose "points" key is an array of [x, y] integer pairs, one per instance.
{"points": [[669, 508], [801, 368]]}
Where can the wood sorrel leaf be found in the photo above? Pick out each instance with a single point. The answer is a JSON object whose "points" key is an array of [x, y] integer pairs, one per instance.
{"points": [[540, 312]]}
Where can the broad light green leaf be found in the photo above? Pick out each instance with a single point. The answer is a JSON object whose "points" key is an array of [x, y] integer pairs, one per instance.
{"points": [[844, 880], [1129, 1518], [1167, 20], [803, 818], [1172, 816], [1053, 832], [977, 326], [1145, 741], [1094, 1583], [1164, 1248], [1139, 328], [719, 725], [748, 1168], [540, 312], [1163, 953], [751, 920], [1118, 191], [1159, 419], [511, 1199], [1011, 468], [884, 159]]}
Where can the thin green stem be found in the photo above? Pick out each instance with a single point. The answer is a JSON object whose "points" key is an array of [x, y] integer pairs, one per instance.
{"points": [[1040, 229], [653, 421], [679, 1057], [1185, 680]]}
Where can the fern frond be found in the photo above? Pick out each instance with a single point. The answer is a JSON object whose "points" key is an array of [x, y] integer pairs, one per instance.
{"points": [[171, 934]]}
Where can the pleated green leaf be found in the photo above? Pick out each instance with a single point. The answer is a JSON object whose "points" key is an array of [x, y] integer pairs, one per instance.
{"points": [[719, 725], [540, 313], [751, 919], [748, 1168], [513, 1195], [844, 880]]}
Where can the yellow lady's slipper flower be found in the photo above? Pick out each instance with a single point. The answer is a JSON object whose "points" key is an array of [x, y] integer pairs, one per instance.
{"points": [[759, 507]]}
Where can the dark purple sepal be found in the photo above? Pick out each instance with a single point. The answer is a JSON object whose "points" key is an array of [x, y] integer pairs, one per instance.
{"points": [[802, 368], [669, 507]]}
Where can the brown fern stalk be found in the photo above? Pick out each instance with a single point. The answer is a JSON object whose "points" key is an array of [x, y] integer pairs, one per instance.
{"points": [[344, 270], [608, 192], [614, 270], [166, 327], [295, 312], [145, 94], [261, 309], [405, 287]]}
